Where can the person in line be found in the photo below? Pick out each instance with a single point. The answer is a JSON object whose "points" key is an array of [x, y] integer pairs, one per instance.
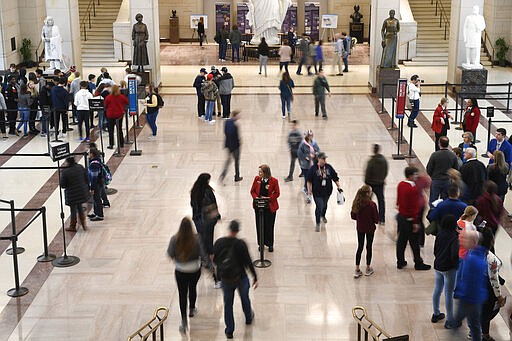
{"points": [[319, 55], [102, 92], [75, 182], [152, 110], [60, 105], [414, 98], [347, 42], [226, 85], [364, 212], [474, 175], [490, 207], [467, 142], [375, 176], [92, 84], [81, 103], [232, 258], [498, 172], [210, 92], [471, 117], [96, 184], [320, 178], [440, 124], [320, 85], [423, 182], [24, 103], [285, 56], [3, 109], [185, 251], [338, 53], [408, 220], [304, 49], [437, 168], [205, 214], [294, 141], [200, 31], [286, 86], [466, 223], [451, 205], [266, 186], [114, 109], [446, 263], [235, 38], [103, 74], [198, 83], [500, 143], [307, 155], [232, 144], [263, 55], [10, 93]]}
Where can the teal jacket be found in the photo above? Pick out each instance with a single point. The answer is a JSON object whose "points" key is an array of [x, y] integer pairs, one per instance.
{"points": [[320, 85]]}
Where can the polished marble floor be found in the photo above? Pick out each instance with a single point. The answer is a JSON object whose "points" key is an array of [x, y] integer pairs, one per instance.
{"points": [[307, 293]]}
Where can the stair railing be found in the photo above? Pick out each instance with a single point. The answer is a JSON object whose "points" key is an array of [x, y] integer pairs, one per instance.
{"points": [[443, 17], [488, 47], [86, 19], [408, 42], [123, 43], [147, 330], [371, 328]]}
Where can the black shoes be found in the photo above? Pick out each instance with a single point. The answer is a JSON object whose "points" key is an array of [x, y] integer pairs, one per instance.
{"points": [[270, 249], [192, 312], [239, 179], [96, 218], [229, 335], [92, 215], [437, 318], [412, 125], [106, 204], [110, 147], [288, 179], [422, 266], [250, 320], [401, 265]]}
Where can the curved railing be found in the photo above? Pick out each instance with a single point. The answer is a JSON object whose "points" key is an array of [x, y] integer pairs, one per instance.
{"points": [[370, 328], [151, 328], [443, 17]]}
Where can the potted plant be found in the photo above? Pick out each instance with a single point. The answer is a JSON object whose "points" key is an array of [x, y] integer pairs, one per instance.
{"points": [[502, 49], [26, 52]]}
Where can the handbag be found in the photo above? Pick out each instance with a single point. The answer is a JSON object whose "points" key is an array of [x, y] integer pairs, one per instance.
{"points": [[291, 92], [340, 198]]}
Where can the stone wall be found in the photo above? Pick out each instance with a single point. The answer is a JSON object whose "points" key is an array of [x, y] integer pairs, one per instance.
{"points": [[497, 15]]}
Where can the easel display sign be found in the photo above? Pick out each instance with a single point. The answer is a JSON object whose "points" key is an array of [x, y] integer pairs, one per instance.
{"points": [[329, 21], [194, 20], [132, 95], [59, 151], [400, 97]]}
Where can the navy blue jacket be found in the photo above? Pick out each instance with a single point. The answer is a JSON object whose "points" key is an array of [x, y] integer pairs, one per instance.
{"points": [[447, 206], [286, 89], [231, 131], [60, 98], [315, 177], [197, 84]]}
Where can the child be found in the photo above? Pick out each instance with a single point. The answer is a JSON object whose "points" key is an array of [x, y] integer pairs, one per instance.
{"points": [[364, 212], [92, 85]]}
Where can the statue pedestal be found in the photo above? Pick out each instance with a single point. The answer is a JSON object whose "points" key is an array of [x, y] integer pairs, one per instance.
{"points": [[474, 82], [387, 76], [174, 30], [357, 31]]}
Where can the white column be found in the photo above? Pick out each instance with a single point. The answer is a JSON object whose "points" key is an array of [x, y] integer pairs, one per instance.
{"points": [[457, 53], [67, 18], [9, 28], [149, 9], [379, 12]]}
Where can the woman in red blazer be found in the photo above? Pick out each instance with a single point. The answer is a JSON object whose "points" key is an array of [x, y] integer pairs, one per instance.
{"points": [[440, 124], [266, 186], [471, 117], [114, 108]]}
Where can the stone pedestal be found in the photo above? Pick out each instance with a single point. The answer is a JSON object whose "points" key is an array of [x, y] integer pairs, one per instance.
{"points": [[174, 30], [357, 31], [474, 82], [387, 76]]}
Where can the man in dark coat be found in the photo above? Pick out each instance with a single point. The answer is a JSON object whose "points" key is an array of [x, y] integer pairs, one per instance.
{"points": [[474, 175], [375, 176], [75, 182], [198, 82], [232, 143]]}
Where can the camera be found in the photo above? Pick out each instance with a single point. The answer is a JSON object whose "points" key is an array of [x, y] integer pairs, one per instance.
{"points": [[422, 81]]}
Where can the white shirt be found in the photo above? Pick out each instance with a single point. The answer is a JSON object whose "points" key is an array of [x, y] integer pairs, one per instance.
{"points": [[82, 99], [414, 92]]}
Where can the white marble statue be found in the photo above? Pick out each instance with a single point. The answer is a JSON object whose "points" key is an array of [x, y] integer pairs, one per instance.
{"points": [[266, 18], [52, 44], [473, 27]]}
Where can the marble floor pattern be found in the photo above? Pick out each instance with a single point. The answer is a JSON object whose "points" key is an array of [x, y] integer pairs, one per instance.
{"points": [[307, 293]]}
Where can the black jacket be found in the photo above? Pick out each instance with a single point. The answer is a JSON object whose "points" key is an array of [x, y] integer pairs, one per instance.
{"points": [[231, 132], [474, 175], [75, 182], [446, 250], [263, 49], [376, 170], [241, 254]]}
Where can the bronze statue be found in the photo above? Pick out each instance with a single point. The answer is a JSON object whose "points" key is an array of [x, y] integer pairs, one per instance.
{"points": [[140, 38], [174, 13], [390, 29], [356, 16]]}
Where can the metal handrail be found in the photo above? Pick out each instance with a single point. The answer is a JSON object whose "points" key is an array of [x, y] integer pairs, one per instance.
{"points": [[87, 16], [370, 327], [152, 329], [408, 42], [122, 47], [442, 16], [486, 39]]}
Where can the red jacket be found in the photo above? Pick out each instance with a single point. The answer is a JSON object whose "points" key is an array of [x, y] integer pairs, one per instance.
{"points": [[407, 200], [273, 191], [437, 126], [486, 211], [472, 118], [114, 106]]}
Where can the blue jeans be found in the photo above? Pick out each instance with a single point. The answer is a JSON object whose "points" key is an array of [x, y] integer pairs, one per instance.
{"points": [[223, 47], [286, 102], [152, 121], [444, 280], [229, 296], [414, 110], [345, 63], [321, 207], [24, 114], [235, 48], [209, 110], [473, 313], [438, 188]]}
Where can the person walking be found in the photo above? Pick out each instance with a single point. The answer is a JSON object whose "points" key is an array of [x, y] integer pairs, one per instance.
{"points": [[209, 91], [226, 85], [471, 118], [114, 110], [408, 220], [414, 89], [185, 251], [311, 57], [74, 180], [235, 38], [198, 83], [440, 124], [81, 103], [446, 262], [232, 258], [319, 55], [307, 154], [364, 212], [320, 85], [266, 186], [375, 176], [263, 54], [320, 177], [294, 141], [286, 86], [304, 50], [232, 144], [285, 56]]}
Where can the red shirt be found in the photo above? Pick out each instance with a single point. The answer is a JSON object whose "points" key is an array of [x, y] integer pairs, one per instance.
{"points": [[273, 191], [472, 118], [408, 200], [114, 106], [366, 218], [437, 125]]}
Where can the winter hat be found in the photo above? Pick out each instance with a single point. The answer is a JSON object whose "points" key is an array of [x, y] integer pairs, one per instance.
{"points": [[213, 68], [209, 77]]}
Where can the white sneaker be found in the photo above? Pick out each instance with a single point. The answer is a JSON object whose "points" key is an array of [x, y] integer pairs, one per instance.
{"points": [[61, 136], [201, 117], [212, 122], [283, 117], [217, 285], [369, 271], [358, 273]]}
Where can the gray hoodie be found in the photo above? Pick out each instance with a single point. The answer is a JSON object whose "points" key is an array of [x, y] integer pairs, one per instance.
{"points": [[226, 84]]}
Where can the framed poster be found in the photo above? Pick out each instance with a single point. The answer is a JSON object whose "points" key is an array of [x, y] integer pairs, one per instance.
{"points": [[222, 16], [194, 19], [241, 18], [329, 21], [290, 20], [312, 19]]}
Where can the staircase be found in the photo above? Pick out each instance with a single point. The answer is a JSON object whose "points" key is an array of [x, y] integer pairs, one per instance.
{"points": [[431, 47], [98, 49]]}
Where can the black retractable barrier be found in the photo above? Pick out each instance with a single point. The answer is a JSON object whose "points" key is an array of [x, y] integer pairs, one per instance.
{"points": [[261, 204]]}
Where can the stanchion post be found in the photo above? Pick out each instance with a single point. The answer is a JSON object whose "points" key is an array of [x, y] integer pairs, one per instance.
{"points": [[508, 96], [17, 291], [45, 257], [127, 118], [490, 115], [410, 156], [261, 204]]}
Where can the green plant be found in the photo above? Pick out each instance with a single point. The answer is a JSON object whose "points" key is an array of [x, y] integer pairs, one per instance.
{"points": [[502, 49], [26, 50]]}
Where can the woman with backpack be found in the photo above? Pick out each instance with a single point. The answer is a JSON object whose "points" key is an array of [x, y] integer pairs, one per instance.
{"points": [[205, 215], [185, 251], [151, 109]]}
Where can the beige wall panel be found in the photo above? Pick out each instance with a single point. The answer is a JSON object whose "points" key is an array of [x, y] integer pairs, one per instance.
{"points": [[184, 8]]}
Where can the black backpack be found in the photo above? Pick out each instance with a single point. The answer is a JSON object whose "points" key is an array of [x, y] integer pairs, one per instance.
{"points": [[229, 267], [160, 101]]}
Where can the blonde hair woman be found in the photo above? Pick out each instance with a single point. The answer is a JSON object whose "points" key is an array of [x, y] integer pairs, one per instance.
{"points": [[465, 223]]}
